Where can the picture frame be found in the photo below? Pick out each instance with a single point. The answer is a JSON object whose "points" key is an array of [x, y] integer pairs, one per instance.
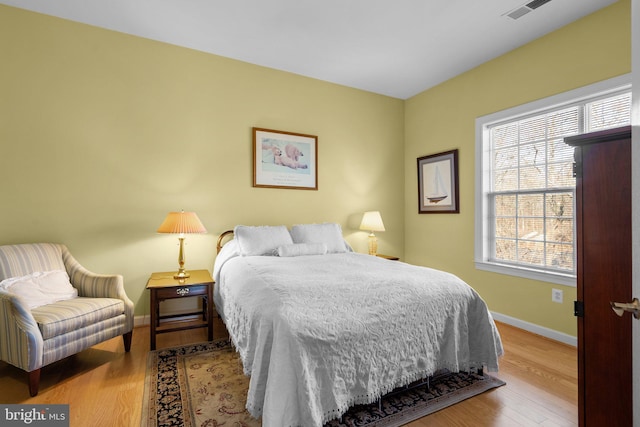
{"points": [[284, 159], [438, 183]]}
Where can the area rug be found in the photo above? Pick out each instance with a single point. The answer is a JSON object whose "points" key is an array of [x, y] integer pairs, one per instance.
{"points": [[202, 385]]}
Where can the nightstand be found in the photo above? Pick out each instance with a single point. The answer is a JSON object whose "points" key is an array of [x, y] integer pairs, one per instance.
{"points": [[389, 257], [163, 287]]}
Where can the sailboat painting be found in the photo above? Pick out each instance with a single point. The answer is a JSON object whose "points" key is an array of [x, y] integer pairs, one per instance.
{"points": [[437, 192], [438, 183]]}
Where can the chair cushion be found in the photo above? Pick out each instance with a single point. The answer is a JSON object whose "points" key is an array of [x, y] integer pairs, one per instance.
{"points": [[69, 315]]}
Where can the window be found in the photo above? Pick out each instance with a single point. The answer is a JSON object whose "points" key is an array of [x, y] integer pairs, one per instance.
{"points": [[525, 188]]}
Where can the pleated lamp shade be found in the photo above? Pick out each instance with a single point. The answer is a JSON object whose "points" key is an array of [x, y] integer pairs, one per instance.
{"points": [[372, 221], [182, 223]]}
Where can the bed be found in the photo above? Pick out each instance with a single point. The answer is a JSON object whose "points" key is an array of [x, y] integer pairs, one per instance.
{"points": [[320, 328]]}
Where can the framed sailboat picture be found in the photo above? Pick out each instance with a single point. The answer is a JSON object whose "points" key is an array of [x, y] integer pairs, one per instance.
{"points": [[438, 183]]}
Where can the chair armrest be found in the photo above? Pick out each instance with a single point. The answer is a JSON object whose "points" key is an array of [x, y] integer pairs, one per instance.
{"points": [[91, 284], [21, 342], [95, 285]]}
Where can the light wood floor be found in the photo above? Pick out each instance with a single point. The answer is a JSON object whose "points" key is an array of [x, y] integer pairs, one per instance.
{"points": [[104, 385]]}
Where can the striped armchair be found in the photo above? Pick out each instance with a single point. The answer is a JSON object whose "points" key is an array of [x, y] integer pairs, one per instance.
{"points": [[31, 338]]}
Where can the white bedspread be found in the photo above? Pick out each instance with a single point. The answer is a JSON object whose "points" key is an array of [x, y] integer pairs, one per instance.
{"points": [[319, 334]]}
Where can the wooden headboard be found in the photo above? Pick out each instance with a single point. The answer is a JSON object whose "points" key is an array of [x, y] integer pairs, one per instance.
{"points": [[221, 240]]}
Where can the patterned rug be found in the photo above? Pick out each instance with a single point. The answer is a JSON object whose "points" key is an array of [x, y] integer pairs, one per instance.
{"points": [[202, 385]]}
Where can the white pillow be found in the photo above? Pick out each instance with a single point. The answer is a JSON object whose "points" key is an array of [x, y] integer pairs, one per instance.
{"points": [[261, 240], [299, 249], [328, 233], [41, 288]]}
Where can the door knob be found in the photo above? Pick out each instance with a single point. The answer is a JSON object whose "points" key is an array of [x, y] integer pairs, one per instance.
{"points": [[632, 307]]}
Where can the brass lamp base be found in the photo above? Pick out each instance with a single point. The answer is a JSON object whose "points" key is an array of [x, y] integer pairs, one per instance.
{"points": [[181, 275], [373, 244]]}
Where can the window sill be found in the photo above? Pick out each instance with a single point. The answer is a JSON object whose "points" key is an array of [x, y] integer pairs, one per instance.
{"points": [[557, 278]]}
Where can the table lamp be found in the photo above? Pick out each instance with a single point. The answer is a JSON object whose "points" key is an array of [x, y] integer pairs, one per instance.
{"points": [[372, 221], [181, 223]]}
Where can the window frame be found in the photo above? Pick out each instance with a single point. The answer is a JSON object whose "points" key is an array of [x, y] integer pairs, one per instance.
{"points": [[483, 220]]}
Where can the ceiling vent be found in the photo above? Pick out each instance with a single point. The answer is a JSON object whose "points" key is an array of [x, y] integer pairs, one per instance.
{"points": [[523, 10]]}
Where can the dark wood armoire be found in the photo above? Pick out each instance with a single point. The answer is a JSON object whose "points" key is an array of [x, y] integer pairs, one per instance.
{"points": [[604, 268]]}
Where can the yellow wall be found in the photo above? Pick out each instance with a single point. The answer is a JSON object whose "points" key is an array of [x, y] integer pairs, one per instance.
{"points": [[592, 49], [103, 133]]}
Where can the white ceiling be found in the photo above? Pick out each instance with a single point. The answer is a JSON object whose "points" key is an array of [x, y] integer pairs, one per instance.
{"points": [[392, 47]]}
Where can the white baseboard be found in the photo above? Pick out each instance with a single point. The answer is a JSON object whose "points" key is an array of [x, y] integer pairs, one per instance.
{"points": [[141, 320], [536, 329]]}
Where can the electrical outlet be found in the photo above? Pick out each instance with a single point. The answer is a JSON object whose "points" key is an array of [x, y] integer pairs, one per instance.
{"points": [[556, 295]]}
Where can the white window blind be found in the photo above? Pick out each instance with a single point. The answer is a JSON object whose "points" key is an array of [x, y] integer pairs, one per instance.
{"points": [[527, 218]]}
